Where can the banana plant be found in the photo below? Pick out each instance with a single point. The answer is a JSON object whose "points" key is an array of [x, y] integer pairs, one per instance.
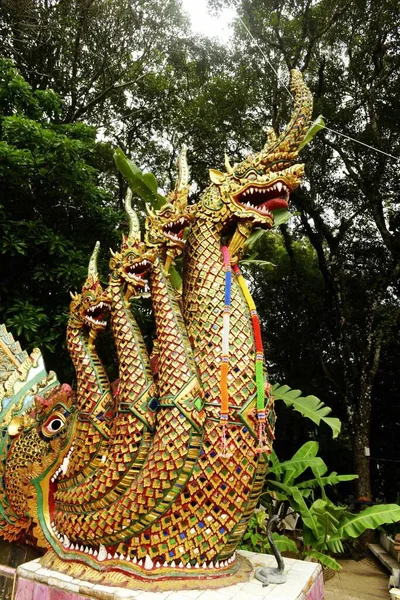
{"points": [[324, 525]]}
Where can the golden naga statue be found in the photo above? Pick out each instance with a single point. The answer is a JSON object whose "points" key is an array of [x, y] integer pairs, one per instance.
{"points": [[157, 482]]}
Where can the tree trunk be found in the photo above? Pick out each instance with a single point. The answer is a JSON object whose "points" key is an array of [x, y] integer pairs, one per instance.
{"points": [[360, 441]]}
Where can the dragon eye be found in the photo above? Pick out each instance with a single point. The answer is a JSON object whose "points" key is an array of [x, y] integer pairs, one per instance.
{"points": [[53, 424]]}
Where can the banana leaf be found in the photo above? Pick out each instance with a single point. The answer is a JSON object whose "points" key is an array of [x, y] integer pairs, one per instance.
{"points": [[331, 479], [284, 544], [142, 184], [314, 128], [370, 518], [325, 560], [309, 406]]}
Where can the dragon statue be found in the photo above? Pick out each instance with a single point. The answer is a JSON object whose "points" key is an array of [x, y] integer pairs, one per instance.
{"points": [[155, 483]]}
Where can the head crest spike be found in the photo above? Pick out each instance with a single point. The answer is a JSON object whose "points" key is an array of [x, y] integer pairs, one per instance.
{"points": [[92, 269], [134, 226], [228, 166], [300, 120], [183, 170], [150, 211]]}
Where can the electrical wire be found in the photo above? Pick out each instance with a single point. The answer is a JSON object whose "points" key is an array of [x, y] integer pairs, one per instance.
{"points": [[344, 135]]}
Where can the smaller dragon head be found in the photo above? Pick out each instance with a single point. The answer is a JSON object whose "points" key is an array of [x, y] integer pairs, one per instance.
{"points": [[133, 262], [247, 194], [165, 226], [90, 308], [38, 441]]}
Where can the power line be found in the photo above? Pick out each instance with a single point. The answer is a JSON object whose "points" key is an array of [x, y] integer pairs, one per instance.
{"points": [[291, 95]]}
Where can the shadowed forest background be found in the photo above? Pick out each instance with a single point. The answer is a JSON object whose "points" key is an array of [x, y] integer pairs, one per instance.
{"points": [[78, 78]]}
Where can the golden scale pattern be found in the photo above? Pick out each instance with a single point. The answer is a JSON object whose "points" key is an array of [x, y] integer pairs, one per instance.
{"points": [[174, 451], [132, 426], [187, 502]]}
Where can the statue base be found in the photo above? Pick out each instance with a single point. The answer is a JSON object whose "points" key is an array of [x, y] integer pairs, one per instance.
{"points": [[304, 582]]}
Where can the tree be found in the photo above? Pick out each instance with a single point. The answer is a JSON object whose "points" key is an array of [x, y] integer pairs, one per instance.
{"points": [[52, 212], [349, 54]]}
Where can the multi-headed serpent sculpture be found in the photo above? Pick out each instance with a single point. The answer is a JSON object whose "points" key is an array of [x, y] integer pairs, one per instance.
{"points": [[157, 483]]}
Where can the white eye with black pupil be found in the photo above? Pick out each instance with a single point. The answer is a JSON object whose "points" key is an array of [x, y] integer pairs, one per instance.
{"points": [[55, 425]]}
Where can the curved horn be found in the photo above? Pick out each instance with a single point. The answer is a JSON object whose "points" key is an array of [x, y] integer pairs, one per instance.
{"points": [[228, 166], [92, 269], [134, 227], [183, 170], [300, 121]]}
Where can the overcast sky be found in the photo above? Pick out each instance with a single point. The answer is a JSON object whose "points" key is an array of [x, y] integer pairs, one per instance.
{"points": [[204, 23]]}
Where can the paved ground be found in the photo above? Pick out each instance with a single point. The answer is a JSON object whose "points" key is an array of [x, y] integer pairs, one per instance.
{"points": [[363, 580]]}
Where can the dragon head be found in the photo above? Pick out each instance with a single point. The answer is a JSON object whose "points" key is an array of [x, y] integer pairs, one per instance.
{"points": [[134, 260], [165, 227], [247, 194], [90, 308], [38, 442]]}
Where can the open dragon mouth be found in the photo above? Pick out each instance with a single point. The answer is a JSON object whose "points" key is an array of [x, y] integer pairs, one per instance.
{"points": [[261, 200], [136, 272], [97, 314], [174, 230]]}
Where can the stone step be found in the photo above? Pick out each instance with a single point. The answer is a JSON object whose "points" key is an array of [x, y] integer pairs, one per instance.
{"points": [[388, 561]]}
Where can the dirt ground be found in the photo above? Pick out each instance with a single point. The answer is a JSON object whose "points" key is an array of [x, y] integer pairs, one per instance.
{"points": [[363, 580]]}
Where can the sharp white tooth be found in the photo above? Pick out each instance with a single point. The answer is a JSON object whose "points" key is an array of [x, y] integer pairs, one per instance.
{"points": [[128, 558], [172, 564], [81, 548], [134, 560], [64, 465], [204, 565], [188, 566], [140, 562], [180, 565], [87, 549], [90, 550], [211, 565], [66, 542], [251, 190], [102, 553], [109, 556], [196, 566], [72, 547], [217, 564], [115, 556], [279, 186], [95, 553], [148, 563], [52, 479], [121, 557], [158, 565]]}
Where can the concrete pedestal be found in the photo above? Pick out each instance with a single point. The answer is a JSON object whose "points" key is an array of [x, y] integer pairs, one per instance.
{"points": [[305, 582]]}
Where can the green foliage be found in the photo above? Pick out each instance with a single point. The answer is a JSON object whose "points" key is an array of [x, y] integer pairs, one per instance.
{"points": [[51, 214], [314, 128], [142, 184], [324, 524], [309, 406]]}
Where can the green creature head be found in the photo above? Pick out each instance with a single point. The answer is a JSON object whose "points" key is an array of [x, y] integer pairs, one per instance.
{"points": [[90, 308], [36, 443]]}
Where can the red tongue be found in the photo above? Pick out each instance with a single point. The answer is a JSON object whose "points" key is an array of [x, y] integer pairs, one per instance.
{"points": [[180, 234], [275, 203]]}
